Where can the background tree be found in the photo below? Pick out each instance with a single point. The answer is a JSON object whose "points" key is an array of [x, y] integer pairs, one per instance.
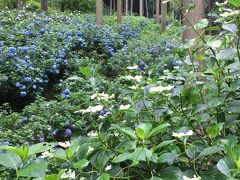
{"points": [[141, 8], [119, 11], [191, 17], [163, 16], [126, 7], [44, 5], [99, 12], [131, 7], [111, 6], [157, 11]]}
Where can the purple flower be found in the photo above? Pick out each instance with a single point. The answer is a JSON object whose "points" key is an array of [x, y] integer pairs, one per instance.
{"points": [[54, 133], [17, 84], [67, 133], [23, 93], [13, 50], [41, 140], [27, 79]]}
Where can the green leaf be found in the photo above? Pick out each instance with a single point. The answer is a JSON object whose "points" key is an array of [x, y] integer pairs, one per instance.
{"points": [[86, 71], [164, 143], [55, 176], [231, 28], [39, 148], [81, 164], [34, 170], [210, 150], [214, 130], [60, 154], [203, 23], [222, 166], [235, 3], [10, 160], [22, 152], [82, 151], [143, 130], [215, 44], [72, 149], [227, 54], [128, 131], [169, 158], [158, 129], [104, 176]]}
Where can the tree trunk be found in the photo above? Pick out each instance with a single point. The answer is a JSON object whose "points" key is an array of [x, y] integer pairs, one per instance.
{"points": [[18, 4], [111, 6], [192, 17], [131, 7], [163, 16], [53, 4], [157, 11], [62, 5], [44, 5], [99, 12], [141, 8], [126, 8], [147, 12], [119, 11]]}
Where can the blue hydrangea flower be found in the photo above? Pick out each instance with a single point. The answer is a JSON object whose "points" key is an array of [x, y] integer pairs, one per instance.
{"points": [[67, 133], [23, 93], [18, 84], [13, 50]]}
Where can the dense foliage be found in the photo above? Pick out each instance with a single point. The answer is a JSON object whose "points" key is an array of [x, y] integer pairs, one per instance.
{"points": [[118, 101]]}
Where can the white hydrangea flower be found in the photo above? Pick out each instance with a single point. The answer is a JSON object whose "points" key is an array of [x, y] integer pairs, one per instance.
{"points": [[181, 134], [136, 78], [69, 175], [124, 107], [132, 67], [91, 109], [90, 149], [64, 144], [46, 154], [92, 134], [102, 96], [194, 178], [160, 89], [108, 168]]}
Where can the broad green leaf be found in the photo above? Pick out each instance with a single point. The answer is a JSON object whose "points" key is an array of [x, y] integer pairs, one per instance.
{"points": [[22, 152], [104, 176], [55, 176], [39, 148], [86, 71], [158, 129], [215, 44], [169, 158], [143, 130], [121, 158], [227, 54], [10, 160], [164, 143], [128, 131], [81, 164], [203, 23], [59, 153], [222, 166], [72, 149], [231, 28], [214, 130], [36, 170], [210, 150], [235, 3], [82, 151]]}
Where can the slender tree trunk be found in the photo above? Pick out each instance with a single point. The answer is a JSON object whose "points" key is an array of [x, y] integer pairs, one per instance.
{"points": [[157, 11], [192, 17], [99, 12], [119, 11], [44, 5], [62, 5], [141, 8], [147, 12], [126, 9], [131, 7], [111, 6], [18, 4], [163, 16]]}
